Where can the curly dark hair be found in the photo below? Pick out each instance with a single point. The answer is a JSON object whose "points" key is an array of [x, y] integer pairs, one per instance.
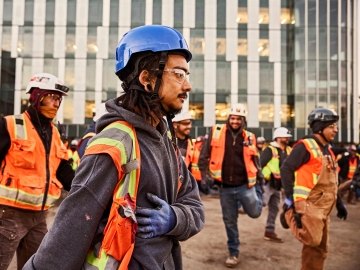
{"points": [[135, 98]]}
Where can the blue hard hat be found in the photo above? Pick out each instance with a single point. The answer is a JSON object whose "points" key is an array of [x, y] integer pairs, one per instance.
{"points": [[153, 38]]}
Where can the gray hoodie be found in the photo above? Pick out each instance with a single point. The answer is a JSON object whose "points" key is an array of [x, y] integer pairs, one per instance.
{"points": [[66, 244]]}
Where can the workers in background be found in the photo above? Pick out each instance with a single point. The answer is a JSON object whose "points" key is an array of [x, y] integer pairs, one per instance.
{"points": [[133, 198], [260, 144], [189, 148], [73, 155], [309, 179], [90, 131], [347, 164], [34, 168], [232, 159], [271, 160]]}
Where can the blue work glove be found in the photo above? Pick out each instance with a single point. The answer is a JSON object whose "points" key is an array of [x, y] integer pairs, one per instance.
{"points": [[341, 209], [156, 221], [288, 203]]}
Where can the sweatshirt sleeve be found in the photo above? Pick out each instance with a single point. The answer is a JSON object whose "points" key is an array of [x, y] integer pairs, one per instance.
{"points": [[78, 216], [188, 208]]}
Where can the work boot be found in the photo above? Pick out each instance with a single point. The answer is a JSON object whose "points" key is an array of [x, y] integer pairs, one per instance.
{"points": [[271, 236], [232, 261], [283, 221]]}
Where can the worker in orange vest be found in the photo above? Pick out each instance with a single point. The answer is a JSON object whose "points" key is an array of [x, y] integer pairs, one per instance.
{"points": [[189, 148], [348, 163], [231, 158], [133, 199], [34, 168], [309, 179]]}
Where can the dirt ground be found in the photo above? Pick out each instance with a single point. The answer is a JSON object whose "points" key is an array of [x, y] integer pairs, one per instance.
{"points": [[207, 250]]}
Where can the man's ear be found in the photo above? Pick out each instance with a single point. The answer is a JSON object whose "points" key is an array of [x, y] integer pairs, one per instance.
{"points": [[144, 79]]}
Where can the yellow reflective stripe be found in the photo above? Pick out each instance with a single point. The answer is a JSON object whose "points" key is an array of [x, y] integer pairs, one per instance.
{"points": [[99, 263], [217, 131], [20, 129], [302, 192], [315, 178], [18, 195], [111, 142], [215, 174], [252, 181], [313, 147]]}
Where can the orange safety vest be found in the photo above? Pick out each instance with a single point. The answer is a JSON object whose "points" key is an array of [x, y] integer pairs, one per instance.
{"points": [[195, 160], [118, 243], [353, 162], [189, 152], [218, 151], [306, 177], [28, 175]]}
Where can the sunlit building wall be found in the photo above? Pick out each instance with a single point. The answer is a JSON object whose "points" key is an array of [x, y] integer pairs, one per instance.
{"points": [[279, 57]]}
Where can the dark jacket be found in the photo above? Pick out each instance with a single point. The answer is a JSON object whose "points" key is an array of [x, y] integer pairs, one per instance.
{"points": [[87, 204]]}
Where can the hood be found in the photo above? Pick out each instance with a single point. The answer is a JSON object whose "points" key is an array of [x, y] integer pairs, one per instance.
{"points": [[275, 144], [117, 112]]}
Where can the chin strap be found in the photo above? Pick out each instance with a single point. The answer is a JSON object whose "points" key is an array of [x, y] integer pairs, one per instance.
{"points": [[160, 71]]}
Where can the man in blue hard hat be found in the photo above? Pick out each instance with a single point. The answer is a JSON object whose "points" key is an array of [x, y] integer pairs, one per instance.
{"points": [[132, 198]]}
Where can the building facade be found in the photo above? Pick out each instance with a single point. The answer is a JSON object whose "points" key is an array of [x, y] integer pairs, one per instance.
{"points": [[281, 58]]}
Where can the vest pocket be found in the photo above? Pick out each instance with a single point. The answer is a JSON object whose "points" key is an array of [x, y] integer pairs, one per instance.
{"points": [[23, 154], [119, 233]]}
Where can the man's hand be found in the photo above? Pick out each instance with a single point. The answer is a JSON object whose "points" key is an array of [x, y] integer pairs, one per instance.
{"points": [[157, 221], [341, 209]]}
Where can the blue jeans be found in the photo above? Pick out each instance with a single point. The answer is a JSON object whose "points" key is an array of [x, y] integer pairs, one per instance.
{"points": [[230, 198]]}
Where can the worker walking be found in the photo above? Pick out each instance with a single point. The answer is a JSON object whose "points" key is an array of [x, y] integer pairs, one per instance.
{"points": [[271, 160], [232, 159], [34, 168], [309, 178], [133, 198], [73, 155]]}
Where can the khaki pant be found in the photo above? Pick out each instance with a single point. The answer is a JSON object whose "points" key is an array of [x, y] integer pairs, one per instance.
{"points": [[21, 231]]}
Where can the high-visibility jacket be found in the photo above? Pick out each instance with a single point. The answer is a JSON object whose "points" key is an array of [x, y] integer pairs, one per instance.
{"points": [[218, 151], [118, 243], [306, 177], [195, 159], [272, 168], [75, 159], [28, 174], [353, 162]]}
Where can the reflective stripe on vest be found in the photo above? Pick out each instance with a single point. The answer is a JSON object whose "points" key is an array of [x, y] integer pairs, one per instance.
{"points": [[218, 151], [24, 172], [119, 141], [352, 168], [273, 166], [306, 177]]}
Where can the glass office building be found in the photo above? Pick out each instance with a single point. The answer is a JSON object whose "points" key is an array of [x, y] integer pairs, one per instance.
{"points": [[281, 58]]}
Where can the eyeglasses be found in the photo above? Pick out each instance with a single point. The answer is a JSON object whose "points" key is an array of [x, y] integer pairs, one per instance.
{"points": [[335, 125], [54, 97], [180, 74]]}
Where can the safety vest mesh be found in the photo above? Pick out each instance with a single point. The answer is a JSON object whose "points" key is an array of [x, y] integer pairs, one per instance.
{"points": [[218, 151], [306, 177], [120, 142], [24, 171], [273, 166]]}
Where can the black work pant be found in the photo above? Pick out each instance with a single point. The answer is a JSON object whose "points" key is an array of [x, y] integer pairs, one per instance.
{"points": [[21, 231]]}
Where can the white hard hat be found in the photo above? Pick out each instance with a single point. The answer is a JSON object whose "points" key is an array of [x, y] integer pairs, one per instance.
{"points": [[186, 115], [46, 81], [260, 140], [281, 132], [100, 110], [74, 142], [238, 109]]}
